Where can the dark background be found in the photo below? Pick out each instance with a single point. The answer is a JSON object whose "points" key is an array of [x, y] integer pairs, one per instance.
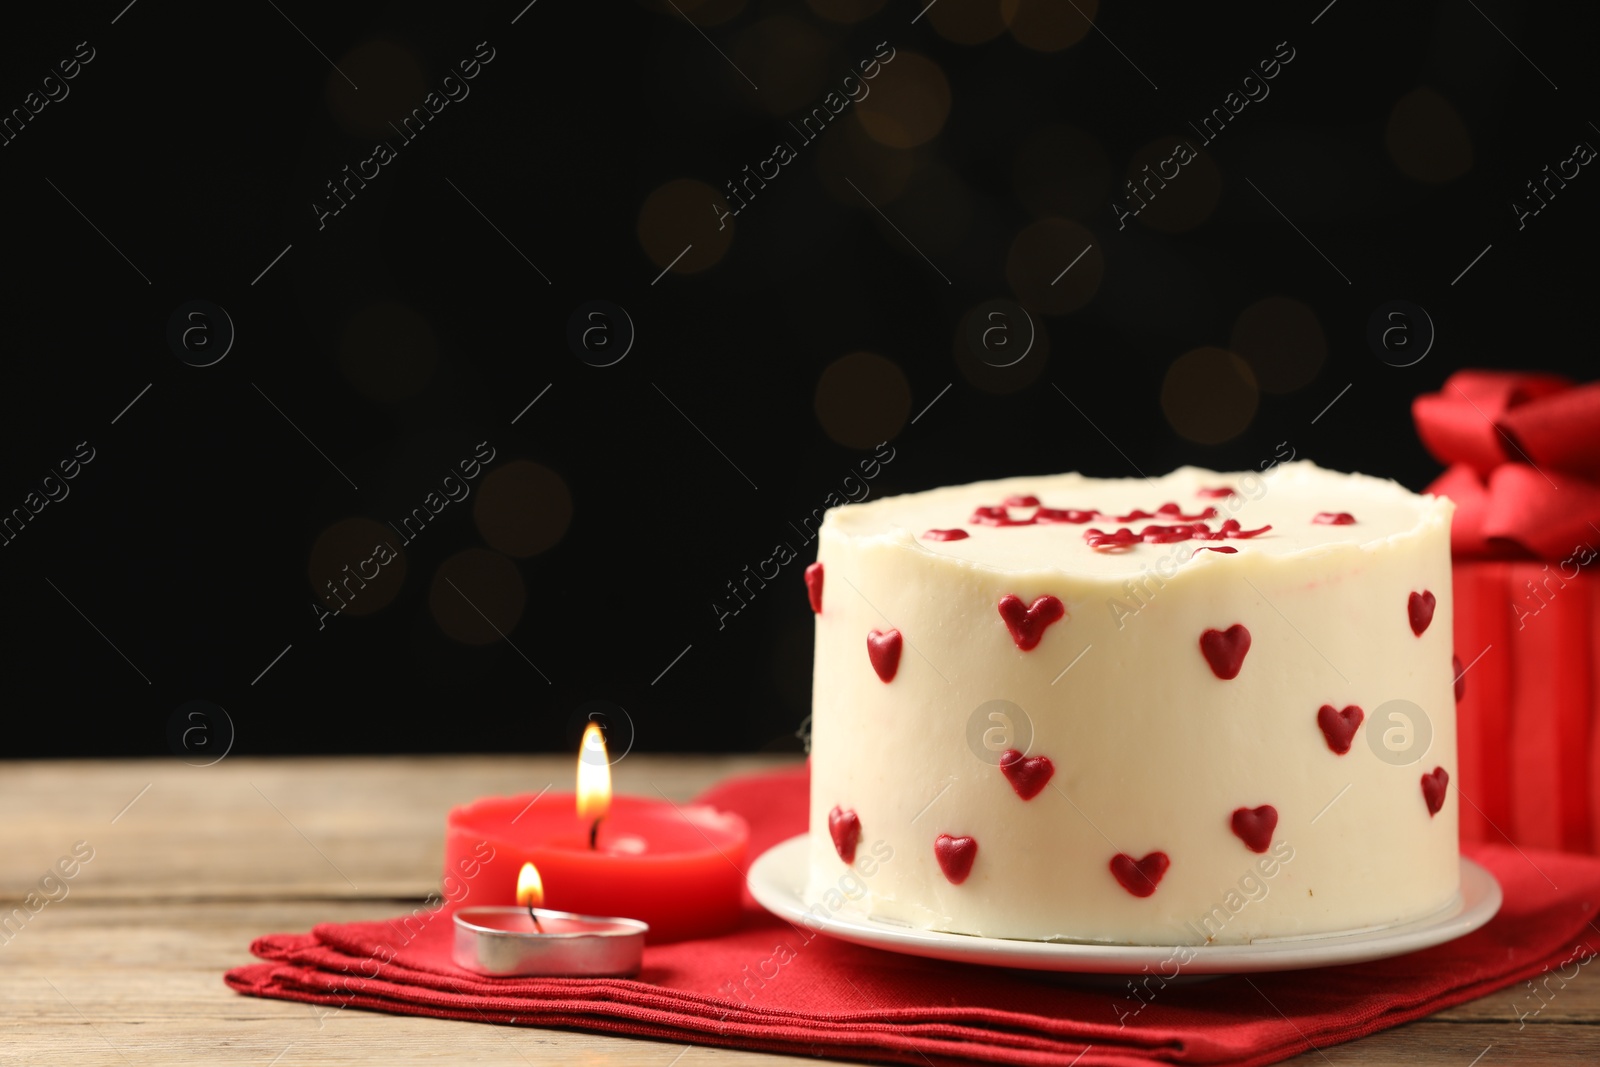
{"points": [[382, 348]]}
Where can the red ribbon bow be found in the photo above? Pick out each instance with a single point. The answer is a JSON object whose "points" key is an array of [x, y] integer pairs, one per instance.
{"points": [[1524, 461]]}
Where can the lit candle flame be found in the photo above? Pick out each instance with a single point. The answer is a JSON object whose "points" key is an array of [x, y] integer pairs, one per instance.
{"points": [[530, 888], [594, 776]]}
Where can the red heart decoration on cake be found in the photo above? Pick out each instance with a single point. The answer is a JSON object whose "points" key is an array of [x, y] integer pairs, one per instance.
{"points": [[1460, 676], [884, 651], [1027, 624], [955, 856], [1420, 608], [1140, 877], [1339, 726], [845, 829], [1225, 649], [1433, 786], [1028, 776], [814, 586], [1254, 826]]}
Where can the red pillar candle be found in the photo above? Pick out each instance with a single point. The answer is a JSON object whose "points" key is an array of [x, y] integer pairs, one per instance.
{"points": [[677, 867]]}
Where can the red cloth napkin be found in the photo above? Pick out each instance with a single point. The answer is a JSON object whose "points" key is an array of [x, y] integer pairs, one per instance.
{"points": [[826, 998]]}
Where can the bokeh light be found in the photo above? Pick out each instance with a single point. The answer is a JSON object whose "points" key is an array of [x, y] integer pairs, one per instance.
{"points": [[788, 59], [681, 213], [387, 351], [1040, 253], [1282, 341], [908, 102], [522, 508], [1172, 204], [861, 399], [1049, 25], [392, 83], [477, 597], [1209, 395], [1427, 139], [1061, 170], [969, 21], [364, 578]]}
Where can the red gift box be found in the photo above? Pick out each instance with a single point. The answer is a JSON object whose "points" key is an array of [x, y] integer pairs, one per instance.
{"points": [[1524, 471]]}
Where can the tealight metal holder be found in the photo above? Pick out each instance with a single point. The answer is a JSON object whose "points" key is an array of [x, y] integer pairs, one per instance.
{"points": [[502, 941]]}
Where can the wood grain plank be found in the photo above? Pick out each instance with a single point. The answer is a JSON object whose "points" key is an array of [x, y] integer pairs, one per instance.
{"points": [[102, 980], [1430, 1043], [115, 983], [126, 969], [267, 828]]}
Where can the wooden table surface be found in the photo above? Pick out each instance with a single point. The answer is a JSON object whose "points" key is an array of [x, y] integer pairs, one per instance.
{"points": [[190, 864]]}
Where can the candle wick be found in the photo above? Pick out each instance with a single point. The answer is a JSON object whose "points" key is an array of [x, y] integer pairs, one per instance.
{"points": [[535, 919], [594, 828]]}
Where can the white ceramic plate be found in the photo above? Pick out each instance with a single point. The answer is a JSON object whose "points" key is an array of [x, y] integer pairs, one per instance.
{"points": [[778, 880]]}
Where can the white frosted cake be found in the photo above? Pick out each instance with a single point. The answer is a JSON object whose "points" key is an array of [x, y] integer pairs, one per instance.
{"points": [[1202, 707]]}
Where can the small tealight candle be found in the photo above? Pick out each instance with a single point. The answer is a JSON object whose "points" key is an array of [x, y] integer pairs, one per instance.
{"points": [[510, 941]]}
